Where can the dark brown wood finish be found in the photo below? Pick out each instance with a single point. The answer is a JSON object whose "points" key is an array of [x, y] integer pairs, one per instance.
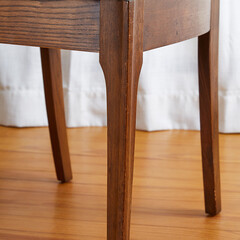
{"points": [[67, 24], [125, 29], [52, 76], [121, 53], [74, 25], [208, 88], [171, 21]]}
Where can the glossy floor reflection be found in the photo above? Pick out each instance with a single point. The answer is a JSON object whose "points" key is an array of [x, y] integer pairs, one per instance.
{"points": [[167, 195]]}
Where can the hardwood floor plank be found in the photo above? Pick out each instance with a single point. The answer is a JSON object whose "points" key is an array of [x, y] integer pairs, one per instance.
{"points": [[167, 194]]}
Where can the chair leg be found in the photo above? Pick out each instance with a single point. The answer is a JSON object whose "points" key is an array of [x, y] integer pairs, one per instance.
{"points": [[208, 88], [52, 76], [121, 50]]}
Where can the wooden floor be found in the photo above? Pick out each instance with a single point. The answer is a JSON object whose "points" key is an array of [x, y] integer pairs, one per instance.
{"points": [[167, 195]]}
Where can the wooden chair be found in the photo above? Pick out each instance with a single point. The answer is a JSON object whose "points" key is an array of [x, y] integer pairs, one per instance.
{"points": [[120, 30]]}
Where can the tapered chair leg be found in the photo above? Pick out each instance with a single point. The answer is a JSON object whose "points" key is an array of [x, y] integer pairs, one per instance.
{"points": [[52, 76], [208, 91], [121, 50]]}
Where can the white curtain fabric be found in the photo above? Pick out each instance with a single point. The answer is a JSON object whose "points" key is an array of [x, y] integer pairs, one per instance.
{"points": [[168, 89]]}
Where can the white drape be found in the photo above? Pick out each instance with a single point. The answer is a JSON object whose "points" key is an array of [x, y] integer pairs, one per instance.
{"points": [[168, 89]]}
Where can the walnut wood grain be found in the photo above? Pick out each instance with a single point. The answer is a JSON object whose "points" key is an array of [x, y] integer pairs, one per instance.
{"points": [[53, 24], [122, 30], [208, 89], [52, 76], [121, 53], [171, 21], [74, 25]]}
